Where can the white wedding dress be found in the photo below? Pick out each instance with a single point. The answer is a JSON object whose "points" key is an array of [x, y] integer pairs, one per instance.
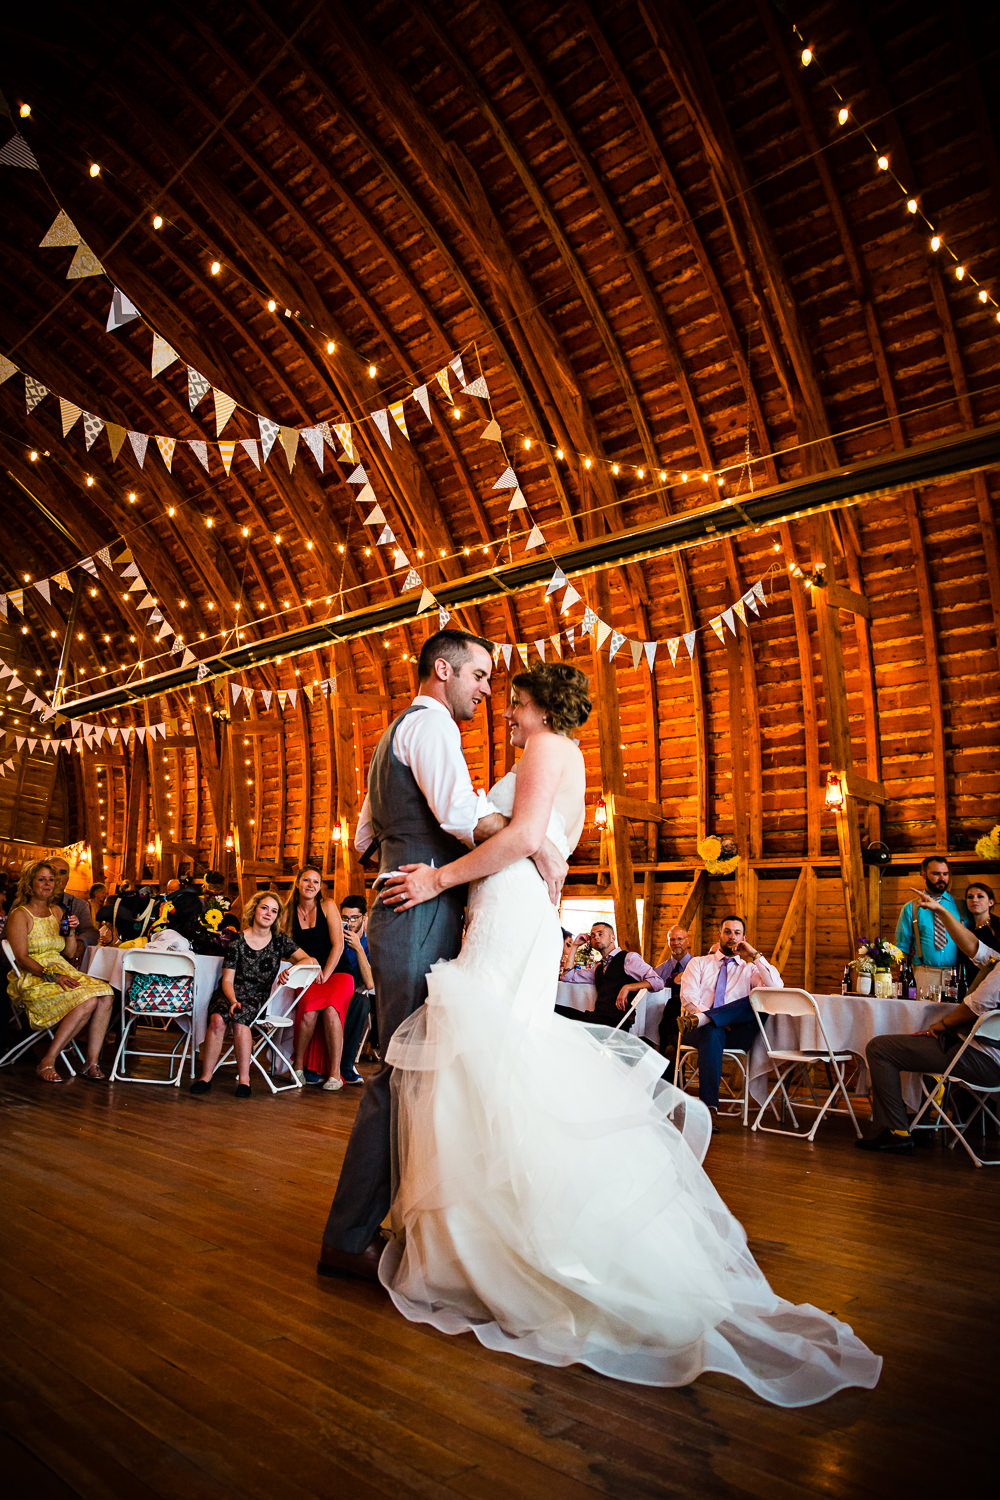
{"points": [[551, 1198]]}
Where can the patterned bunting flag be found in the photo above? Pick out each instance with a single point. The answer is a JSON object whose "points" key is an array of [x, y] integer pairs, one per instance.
{"points": [[224, 408], [444, 615], [289, 439], [419, 394], [198, 387], [62, 579], [456, 365], [343, 431], [569, 598], [385, 538], [673, 646], [727, 615], [166, 446], [43, 588], [186, 661], [556, 582], [163, 355], [540, 648], [601, 633], [34, 392], [689, 642], [200, 451], [17, 153], [252, 451], [103, 554], [411, 581], [357, 476], [268, 432], [61, 233], [313, 439], [650, 649], [116, 436], [442, 379], [396, 411], [92, 428], [176, 646], [750, 599], [739, 611], [266, 694], [139, 441], [381, 420], [293, 696], [84, 263], [375, 517], [535, 539], [248, 696], [121, 311], [226, 451], [131, 569], [716, 625], [89, 565], [491, 432], [507, 480], [426, 600], [617, 642], [308, 690], [517, 500], [589, 621], [366, 496], [235, 690], [556, 644], [7, 368], [69, 413], [758, 589], [522, 652], [478, 388]]}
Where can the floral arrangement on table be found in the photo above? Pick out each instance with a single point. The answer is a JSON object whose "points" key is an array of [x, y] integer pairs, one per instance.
{"points": [[988, 847], [876, 955], [719, 856]]}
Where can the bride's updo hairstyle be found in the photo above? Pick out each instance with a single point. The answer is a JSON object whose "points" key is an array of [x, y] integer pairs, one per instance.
{"points": [[561, 692]]}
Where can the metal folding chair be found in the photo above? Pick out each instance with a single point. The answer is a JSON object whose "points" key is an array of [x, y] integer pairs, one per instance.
{"points": [[986, 1029], [731, 1101], [33, 1034], [171, 967], [274, 1024], [790, 1061]]}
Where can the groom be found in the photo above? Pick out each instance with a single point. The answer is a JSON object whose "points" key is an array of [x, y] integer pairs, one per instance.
{"points": [[420, 808]]}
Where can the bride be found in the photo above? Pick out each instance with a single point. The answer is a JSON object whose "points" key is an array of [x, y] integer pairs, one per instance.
{"points": [[550, 1193]]}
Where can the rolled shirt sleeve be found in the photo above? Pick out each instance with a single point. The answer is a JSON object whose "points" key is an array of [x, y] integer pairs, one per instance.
{"points": [[637, 968]]}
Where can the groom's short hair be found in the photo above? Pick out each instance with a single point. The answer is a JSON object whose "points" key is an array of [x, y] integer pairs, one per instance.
{"points": [[450, 645]]}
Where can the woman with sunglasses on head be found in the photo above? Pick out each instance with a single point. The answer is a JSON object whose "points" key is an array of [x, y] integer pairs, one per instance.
{"points": [[313, 921]]}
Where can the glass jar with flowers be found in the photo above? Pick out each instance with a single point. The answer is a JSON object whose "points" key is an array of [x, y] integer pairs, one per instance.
{"points": [[873, 967]]}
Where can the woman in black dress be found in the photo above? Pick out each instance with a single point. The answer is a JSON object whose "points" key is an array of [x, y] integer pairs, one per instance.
{"points": [[249, 970], [314, 923], [983, 921]]}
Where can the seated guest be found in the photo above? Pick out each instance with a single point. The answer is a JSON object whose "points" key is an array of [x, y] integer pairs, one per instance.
{"points": [[670, 971], [354, 961], [313, 921], [931, 1050], [97, 896], [73, 906], [983, 923], [249, 970], [617, 977], [51, 991], [714, 990]]}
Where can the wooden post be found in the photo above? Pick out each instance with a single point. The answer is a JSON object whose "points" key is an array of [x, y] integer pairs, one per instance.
{"points": [[242, 832], [793, 919], [690, 915]]}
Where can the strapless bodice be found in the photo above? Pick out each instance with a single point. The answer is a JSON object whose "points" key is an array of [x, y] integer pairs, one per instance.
{"points": [[501, 795]]}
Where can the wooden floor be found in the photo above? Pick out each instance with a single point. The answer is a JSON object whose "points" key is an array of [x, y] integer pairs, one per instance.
{"points": [[165, 1333]]}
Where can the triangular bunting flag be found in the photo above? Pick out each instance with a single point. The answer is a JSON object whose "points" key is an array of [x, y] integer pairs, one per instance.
{"points": [[138, 583], [517, 500], [176, 646], [357, 476], [116, 436], [419, 394], [381, 420], [601, 633], [121, 311], [268, 432], [92, 428], [139, 441], [535, 539], [188, 658], [282, 699], [385, 537], [62, 579], [267, 695], [313, 439], [727, 615], [442, 379], [740, 612], [343, 431], [650, 649], [716, 625], [426, 600], [589, 623], [570, 597], [34, 392], [89, 564], [141, 733], [396, 410], [163, 355], [7, 368], [17, 153], [411, 581], [478, 388], [248, 696], [689, 642], [252, 451], [375, 517], [750, 600], [16, 597], [224, 408], [399, 560], [556, 644], [200, 451], [235, 690], [289, 439], [165, 630], [69, 412], [166, 446], [113, 735], [43, 588], [198, 387], [617, 642], [147, 601], [293, 696], [522, 652], [366, 496], [131, 569], [62, 232], [507, 480], [507, 651], [673, 646], [456, 365], [308, 690], [226, 451], [84, 263], [758, 589], [555, 582], [636, 649], [444, 615], [491, 432], [540, 648]]}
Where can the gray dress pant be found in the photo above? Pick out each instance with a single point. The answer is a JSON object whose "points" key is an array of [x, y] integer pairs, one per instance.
{"points": [[403, 946], [890, 1056]]}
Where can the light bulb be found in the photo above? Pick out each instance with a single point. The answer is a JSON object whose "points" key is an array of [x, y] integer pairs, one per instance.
{"points": [[684, 479], [527, 443], [911, 204], [171, 510], [456, 412], [277, 541], [372, 372], [663, 476], [807, 56], [95, 170], [640, 473], [935, 242], [615, 469], [132, 497], [984, 295], [25, 111], [331, 347], [843, 114], [209, 522], [271, 305], [704, 478], [246, 530], [90, 481], [883, 164], [33, 455], [587, 464], [959, 272], [215, 268], [559, 453], [157, 221]]}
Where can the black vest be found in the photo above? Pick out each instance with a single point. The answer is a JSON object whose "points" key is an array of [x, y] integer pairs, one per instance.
{"points": [[406, 830], [609, 977]]}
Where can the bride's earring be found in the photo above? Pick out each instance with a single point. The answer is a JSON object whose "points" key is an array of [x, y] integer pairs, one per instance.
{"points": [[545, 718]]}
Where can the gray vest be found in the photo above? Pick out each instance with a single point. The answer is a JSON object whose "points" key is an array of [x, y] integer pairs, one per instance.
{"points": [[405, 829]]}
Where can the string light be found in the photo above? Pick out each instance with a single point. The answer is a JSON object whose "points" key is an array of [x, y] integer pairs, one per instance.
{"points": [[883, 163], [25, 111], [215, 268], [157, 221], [95, 170], [372, 372], [935, 242], [456, 412], [959, 272], [132, 497], [807, 56], [271, 305], [843, 115], [911, 205], [559, 454], [90, 481], [33, 455], [587, 464], [331, 347]]}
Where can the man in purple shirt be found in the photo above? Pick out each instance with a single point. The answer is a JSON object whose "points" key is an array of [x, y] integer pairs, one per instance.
{"points": [[617, 978]]}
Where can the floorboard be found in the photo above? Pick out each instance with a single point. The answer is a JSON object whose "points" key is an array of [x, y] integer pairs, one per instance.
{"points": [[166, 1335]]}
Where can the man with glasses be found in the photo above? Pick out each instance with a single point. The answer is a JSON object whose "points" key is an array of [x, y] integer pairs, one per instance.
{"points": [[354, 961], [73, 906]]}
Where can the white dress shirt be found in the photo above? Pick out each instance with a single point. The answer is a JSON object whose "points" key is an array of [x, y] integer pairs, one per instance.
{"points": [[430, 745]]}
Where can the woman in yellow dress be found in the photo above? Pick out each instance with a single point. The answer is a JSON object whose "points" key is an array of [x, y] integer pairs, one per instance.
{"points": [[48, 987]]}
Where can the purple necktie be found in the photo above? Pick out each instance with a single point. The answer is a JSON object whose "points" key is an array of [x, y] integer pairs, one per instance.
{"points": [[720, 983]]}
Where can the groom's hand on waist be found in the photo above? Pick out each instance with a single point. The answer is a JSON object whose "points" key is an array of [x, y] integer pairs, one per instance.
{"points": [[552, 868]]}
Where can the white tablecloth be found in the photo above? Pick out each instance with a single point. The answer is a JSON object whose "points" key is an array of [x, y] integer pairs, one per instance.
{"points": [[850, 1021], [106, 963], [576, 996]]}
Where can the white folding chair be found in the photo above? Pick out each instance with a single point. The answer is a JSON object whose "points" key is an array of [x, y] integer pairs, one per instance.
{"points": [[32, 1034], [731, 1101], [176, 999], [986, 1029], [275, 1023], [789, 1061]]}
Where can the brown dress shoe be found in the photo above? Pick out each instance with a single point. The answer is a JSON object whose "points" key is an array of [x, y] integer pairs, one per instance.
{"points": [[364, 1264]]}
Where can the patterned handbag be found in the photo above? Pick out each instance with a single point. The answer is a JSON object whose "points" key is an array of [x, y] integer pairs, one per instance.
{"points": [[171, 994]]}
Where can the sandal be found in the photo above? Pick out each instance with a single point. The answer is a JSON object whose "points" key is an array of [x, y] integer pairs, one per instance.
{"points": [[47, 1074], [92, 1074]]}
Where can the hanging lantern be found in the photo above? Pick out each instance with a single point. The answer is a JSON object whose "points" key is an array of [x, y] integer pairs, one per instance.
{"points": [[230, 843], [151, 847], [337, 835], [834, 798], [601, 814]]}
